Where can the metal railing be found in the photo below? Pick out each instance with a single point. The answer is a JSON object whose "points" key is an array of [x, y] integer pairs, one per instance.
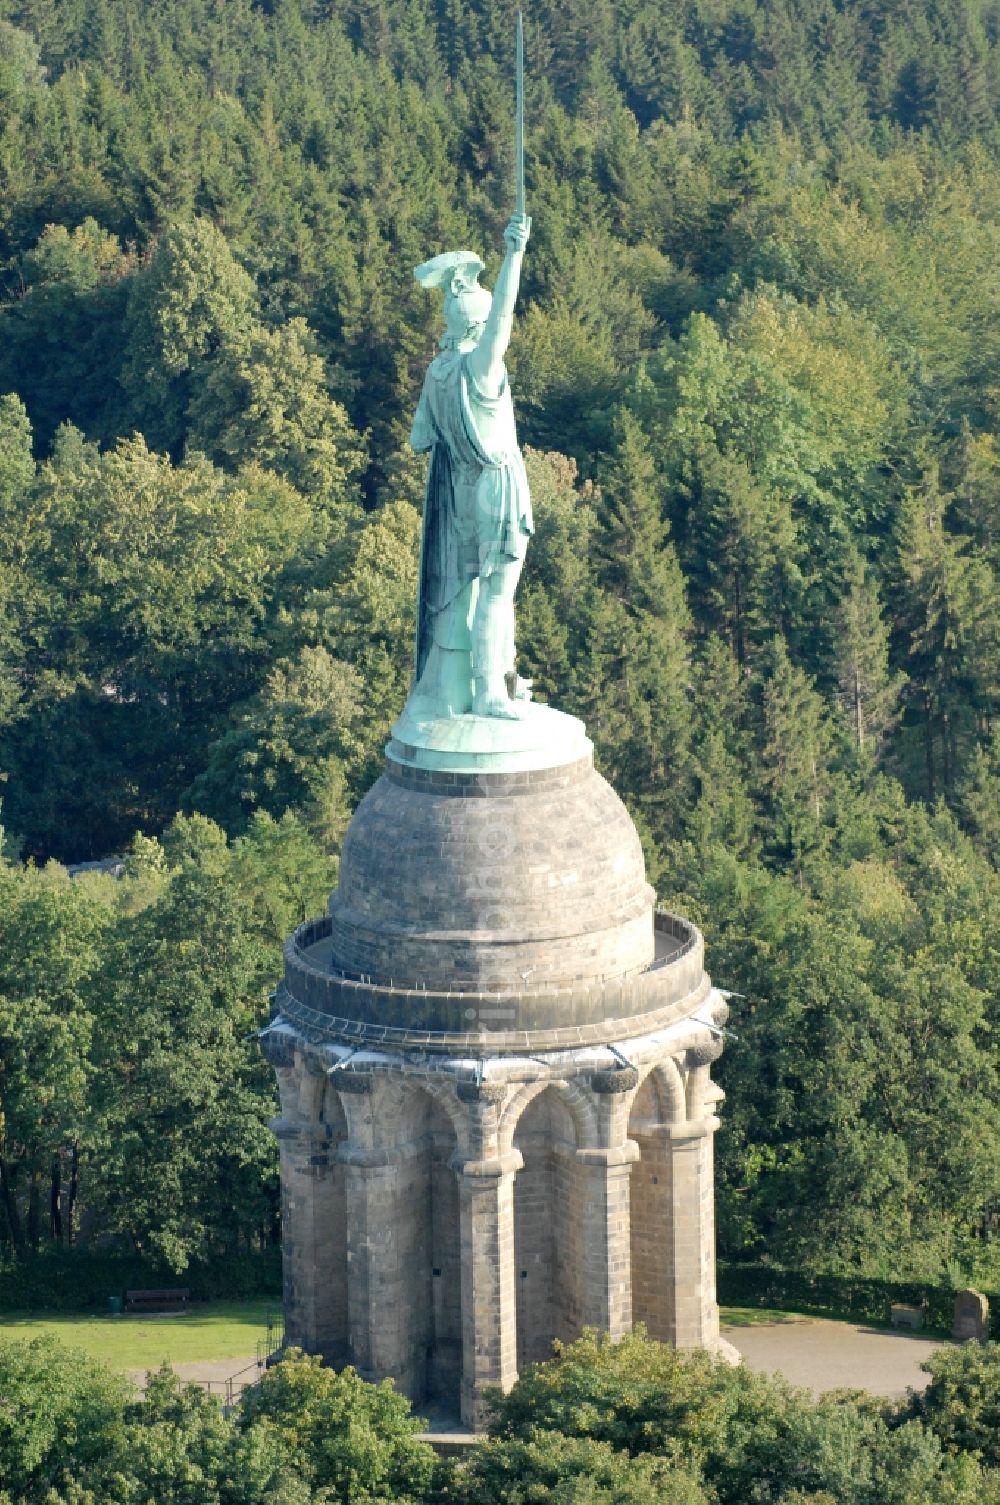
{"points": [[232, 1387], [269, 1349]]}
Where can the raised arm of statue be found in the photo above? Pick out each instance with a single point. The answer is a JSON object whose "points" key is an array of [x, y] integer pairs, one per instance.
{"points": [[485, 362]]}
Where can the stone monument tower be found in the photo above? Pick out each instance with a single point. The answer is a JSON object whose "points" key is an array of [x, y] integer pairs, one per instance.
{"points": [[493, 1052]]}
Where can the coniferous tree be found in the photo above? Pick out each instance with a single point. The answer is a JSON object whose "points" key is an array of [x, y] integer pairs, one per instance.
{"points": [[795, 771], [954, 632], [868, 693], [639, 571]]}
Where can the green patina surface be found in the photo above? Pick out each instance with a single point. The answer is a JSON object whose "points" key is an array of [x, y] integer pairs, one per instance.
{"points": [[541, 737], [468, 710]]}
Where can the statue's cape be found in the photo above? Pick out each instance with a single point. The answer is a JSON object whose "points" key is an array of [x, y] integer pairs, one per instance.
{"points": [[445, 403], [439, 567]]}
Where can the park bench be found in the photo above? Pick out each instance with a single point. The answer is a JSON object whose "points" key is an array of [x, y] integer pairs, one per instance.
{"points": [[157, 1301], [903, 1315]]}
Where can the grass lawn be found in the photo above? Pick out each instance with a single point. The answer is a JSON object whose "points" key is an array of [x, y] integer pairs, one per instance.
{"points": [[757, 1316], [209, 1330], [766, 1316]]}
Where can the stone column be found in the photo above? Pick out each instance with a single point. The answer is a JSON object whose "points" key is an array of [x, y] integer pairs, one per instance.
{"points": [[606, 1296], [312, 1216], [489, 1292], [694, 1179], [380, 1317], [686, 1305]]}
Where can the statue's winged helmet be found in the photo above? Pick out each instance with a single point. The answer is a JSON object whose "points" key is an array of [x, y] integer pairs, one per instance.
{"points": [[466, 304]]}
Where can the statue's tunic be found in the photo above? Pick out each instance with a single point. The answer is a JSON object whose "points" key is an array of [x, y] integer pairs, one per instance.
{"points": [[477, 512]]}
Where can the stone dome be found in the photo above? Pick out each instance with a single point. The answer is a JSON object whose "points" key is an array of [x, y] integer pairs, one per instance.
{"points": [[495, 881]]}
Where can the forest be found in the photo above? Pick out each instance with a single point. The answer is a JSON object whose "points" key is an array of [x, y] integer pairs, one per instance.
{"points": [[755, 367]]}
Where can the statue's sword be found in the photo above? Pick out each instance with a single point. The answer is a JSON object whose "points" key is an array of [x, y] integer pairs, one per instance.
{"points": [[519, 135]]}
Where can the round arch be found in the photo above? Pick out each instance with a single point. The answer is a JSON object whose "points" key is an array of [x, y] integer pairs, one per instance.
{"points": [[660, 1096], [573, 1099]]}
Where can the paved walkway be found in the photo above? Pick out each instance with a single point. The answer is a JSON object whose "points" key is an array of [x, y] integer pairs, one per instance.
{"points": [[821, 1355], [210, 1373], [816, 1354]]}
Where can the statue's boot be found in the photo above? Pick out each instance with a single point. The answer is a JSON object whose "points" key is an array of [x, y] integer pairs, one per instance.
{"points": [[518, 688], [491, 699]]}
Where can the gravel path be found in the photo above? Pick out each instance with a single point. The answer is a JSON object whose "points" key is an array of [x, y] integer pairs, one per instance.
{"points": [[822, 1355]]}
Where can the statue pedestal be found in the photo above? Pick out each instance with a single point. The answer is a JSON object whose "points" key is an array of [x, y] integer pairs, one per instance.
{"points": [[541, 737], [493, 1058]]}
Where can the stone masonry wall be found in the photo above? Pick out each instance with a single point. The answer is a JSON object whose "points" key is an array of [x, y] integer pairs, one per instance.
{"points": [[498, 876], [445, 1231], [315, 1246], [568, 1315], [548, 1230], [652, 1255], [412, 1231], [445, 1363], [534, 1234]]}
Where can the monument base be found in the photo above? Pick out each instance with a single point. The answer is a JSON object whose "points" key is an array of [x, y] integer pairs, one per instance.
{"points": [[541, 737]]}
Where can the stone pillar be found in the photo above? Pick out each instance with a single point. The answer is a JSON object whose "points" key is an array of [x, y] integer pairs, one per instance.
{"points": [[689, 1226], [381, 1315], [312, 1215], [489, 1291], [606, 1295]]}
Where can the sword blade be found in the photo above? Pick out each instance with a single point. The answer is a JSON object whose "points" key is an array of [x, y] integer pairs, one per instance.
{"points": [[519, 136]]}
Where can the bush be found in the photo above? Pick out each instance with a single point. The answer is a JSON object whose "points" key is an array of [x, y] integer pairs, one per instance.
{"points": [[181, 1448], [73, 1433], [748, 1438], [961, 1405], [344, 1437], [73, 1280], [61, 1415], [867, 1299], [571, 1471]]}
